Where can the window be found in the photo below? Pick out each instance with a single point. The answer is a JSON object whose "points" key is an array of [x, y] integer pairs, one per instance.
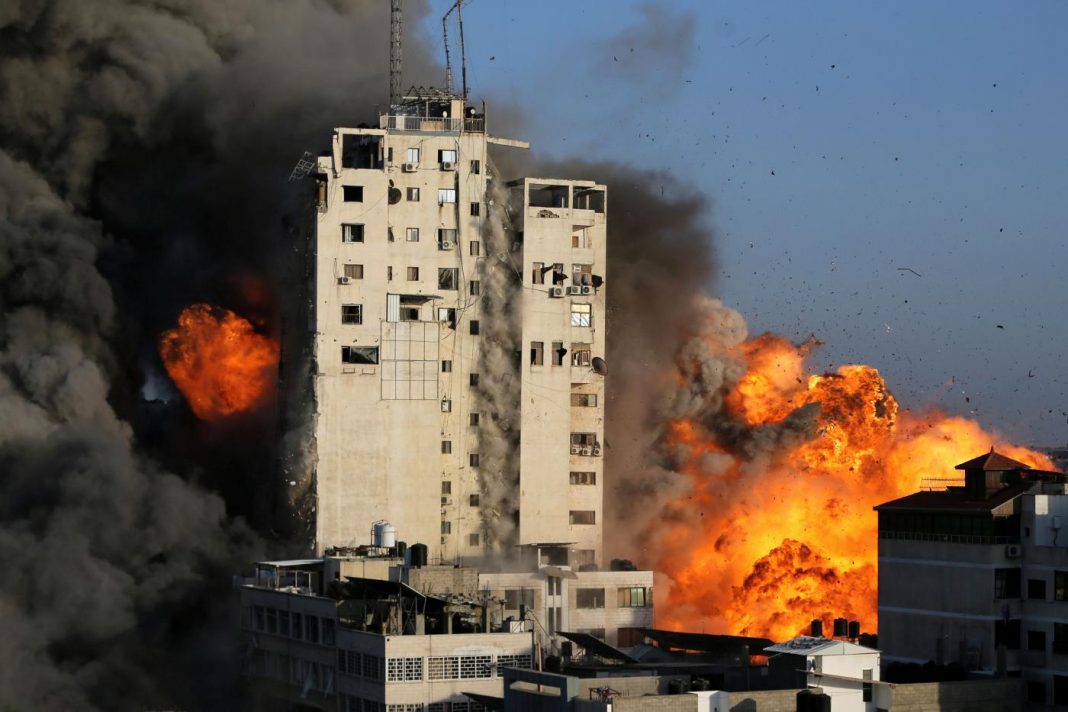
{"points": [[1036, 640], [472, 539], [1006, 583], [516, 597], [311, 629], [472, 379], [389, 273], [447, 156], [476, 167], [297, 625], [447, 315], [1060, 638], [446, 527], [589, 598], [413, 195], [474, 208], [473, 420], [629, 637], [412, 156], [1036, 588], [583, 478], [411, 234], [537, 353], [351, 313], [538, 273], [283, 624], [473, 287], [476, 248], [404, 670], [581, 274], [446, 236], [446, 195], [474, 327], [868, 688], [352, 193], [581, 315], [409, 313], [580, 354], [413, 274], [472, 459], [359, 354], [328, 631], [1007, 633], [1036, 691], [446, 447], [351, 233], [1060, 585], [446, 366], [448, 278], [354, 271], [446, 487], [583, 439], [472, 500], [584, 400], [580, 238], [583, 517], [634, 597], [558, 353], [272, 620], [446, 405], [1060, 689]]}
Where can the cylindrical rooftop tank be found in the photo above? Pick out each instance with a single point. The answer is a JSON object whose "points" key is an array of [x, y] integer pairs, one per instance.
{"points": [[383, 535], [418, 555], [841, 627], [804, 700], [819, 702], [817, 628], [854, 630]]}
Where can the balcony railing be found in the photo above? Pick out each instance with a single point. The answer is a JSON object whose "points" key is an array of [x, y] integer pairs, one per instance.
{"points": [[438, 124], [949, 538]]}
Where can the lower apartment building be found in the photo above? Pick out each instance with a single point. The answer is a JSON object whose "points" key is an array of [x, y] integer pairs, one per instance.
{"points": [[977, 576]]}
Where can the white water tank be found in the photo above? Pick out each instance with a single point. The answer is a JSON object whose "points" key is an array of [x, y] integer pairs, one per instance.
{"points": [[383, 535]]}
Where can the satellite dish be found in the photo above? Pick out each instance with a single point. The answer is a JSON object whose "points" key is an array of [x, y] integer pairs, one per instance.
{"points": [[394, 196], [599, 366]]}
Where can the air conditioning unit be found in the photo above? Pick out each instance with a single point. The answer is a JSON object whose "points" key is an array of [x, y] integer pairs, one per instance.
{"points": [[446, 245], [586, 289], [585, 452], [576, 450], [448, 166], [446, 501], [556, 292], [596, 450], [344, 280], [410, 167], [574, 290], [1012, 551]]}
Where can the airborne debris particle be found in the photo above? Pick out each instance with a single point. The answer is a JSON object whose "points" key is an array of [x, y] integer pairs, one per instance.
{"points": [[909, 269]]}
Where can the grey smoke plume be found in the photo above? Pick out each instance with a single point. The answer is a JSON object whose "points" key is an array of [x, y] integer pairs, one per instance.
{"points": [[500, 275], [144, 151], [655, 51]]}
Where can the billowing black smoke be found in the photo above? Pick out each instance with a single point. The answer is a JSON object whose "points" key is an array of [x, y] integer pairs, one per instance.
{"points": [[144, 152]]}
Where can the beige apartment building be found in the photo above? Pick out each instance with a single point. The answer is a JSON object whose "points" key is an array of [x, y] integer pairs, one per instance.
{"points": [[403, 244]]}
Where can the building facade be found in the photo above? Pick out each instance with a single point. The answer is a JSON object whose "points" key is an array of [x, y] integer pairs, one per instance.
{"points": [[977, 576], [403, 242]]}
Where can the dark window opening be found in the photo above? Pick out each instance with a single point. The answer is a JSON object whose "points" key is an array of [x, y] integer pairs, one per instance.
{"points": [[359, 354], [352, 193]]}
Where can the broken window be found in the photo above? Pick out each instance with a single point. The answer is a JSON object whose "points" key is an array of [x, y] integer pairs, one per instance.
{"points": [[354, 271], [448, 277], [548, 196], [446, 237], [580, 237], [352, 193], [474, 327], [581, 315], [583, 478], [408, 313], [589, 199], [447, 315], [538, 273], [361, 151], [352, 233], [472, 459], [580, 354], [412, 234], [472, 500], [476, 167], [537, 353], [588, 597], [446, 447], [413, 276], [582, 274], [447, 156], [413, 194], [359, 354], [446, 366], [476, 248], [446, 195], [558, 353], [473, 379], [474, 209], [472, 539], [584, 400], [412, 156], [473, 287], [351, 313]]}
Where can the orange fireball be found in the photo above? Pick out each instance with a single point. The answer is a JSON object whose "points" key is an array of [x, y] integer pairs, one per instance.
{"points": [[219, 362], [778, 527]]}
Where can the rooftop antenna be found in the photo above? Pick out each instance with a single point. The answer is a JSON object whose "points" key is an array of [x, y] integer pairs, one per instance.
{"points": [[395, 60], [458, 7]]}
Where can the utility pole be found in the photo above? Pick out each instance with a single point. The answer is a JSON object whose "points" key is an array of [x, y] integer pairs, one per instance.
{"points": [[395, 59]]}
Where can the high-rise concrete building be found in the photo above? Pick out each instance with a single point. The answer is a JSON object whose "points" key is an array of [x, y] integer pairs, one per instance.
{"points": [[459, 330]]}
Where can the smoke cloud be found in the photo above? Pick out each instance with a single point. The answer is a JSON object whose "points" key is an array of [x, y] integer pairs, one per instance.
{"points": [[144, 152]]}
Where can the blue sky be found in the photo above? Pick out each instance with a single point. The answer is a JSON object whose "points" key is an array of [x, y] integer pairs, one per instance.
{"points": [[838, 143]]}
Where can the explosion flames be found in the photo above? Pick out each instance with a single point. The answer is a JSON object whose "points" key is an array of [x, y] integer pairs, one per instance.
{"points": [[785, 467], [219, 362]]}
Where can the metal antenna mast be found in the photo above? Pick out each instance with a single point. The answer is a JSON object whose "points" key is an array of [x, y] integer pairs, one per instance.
{"points": [[395, 58], [458, 7]]}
